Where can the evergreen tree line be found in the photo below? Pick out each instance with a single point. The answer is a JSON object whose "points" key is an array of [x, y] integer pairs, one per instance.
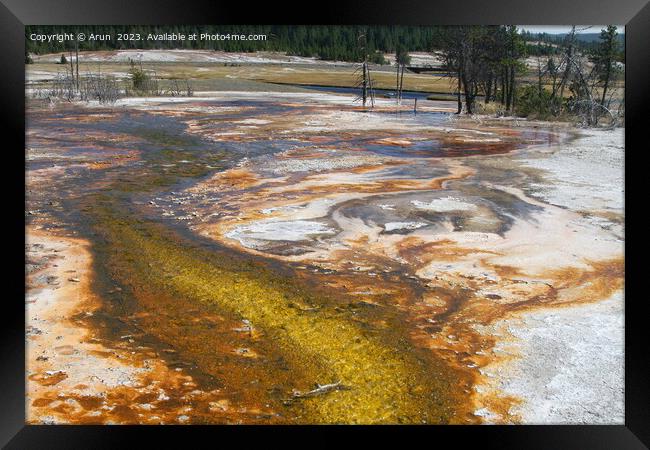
{"points": [[339, 42], [324, 42], [492, 62]]}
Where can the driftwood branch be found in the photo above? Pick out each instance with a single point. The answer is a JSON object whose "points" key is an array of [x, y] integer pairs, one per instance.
{"points": [[320, 389]]}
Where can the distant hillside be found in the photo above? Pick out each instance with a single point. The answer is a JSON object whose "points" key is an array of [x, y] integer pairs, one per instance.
{"points": [[547, 44], [585, 38]]}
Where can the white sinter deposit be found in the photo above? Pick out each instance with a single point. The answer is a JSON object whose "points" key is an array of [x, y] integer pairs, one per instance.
{"points": [[444, 204], [567, 364], [572, 369], [297, 230]]}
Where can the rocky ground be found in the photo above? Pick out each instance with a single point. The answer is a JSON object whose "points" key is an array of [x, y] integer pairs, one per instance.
{"points": [[558, 229], [497, 243], [77, 376], [566, 365]]}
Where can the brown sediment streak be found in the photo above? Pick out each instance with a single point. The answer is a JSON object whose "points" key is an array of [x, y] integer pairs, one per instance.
{"points": [[233, 339], [385, 383], [321, 183], [442, 316], [577, 285], [372, 168], [451, 334], [85, 117], [393, 141], [420, 253], [570, 286], [79, 374], [310, 188], [238, 179]]}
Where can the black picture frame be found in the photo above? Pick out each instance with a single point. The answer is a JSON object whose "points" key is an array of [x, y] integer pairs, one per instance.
{"points": [[14, 14]]}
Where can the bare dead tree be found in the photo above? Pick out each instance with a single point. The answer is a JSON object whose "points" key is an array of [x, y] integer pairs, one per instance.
{"points": [[402, 58], [364, 81], [61, 87], [401, 84], [179, 88], [102, 88], [370, 87], [76, 47], [396, 77], [71, 66]]}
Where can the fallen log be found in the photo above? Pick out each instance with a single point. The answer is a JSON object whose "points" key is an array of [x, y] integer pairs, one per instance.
{"points": [[320, 389]]}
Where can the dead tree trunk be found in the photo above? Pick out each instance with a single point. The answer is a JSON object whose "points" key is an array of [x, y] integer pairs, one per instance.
{"points": [[539, 77], [401, 84], [507, 89], [488, 89], [567, 68], [503, 86], [606, 83], [512, 87], [72, 70], [364, 85], [460, 102], [397, 81], [372, 91], [469, 96], [76, 48]]}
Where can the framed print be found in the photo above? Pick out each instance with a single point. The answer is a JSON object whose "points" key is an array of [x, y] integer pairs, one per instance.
{"points": [[243, 219]]}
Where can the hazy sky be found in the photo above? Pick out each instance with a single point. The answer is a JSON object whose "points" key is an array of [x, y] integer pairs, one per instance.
{"points": [[555, 29]]}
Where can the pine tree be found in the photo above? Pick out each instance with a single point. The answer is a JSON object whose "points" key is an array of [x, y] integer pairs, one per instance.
{"points": [[604, 58]]}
